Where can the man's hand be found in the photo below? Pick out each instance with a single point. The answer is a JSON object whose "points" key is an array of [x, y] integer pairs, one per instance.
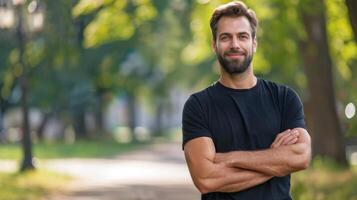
{"points": [[287, 137]]}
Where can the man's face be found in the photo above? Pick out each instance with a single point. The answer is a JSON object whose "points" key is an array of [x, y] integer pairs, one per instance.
{"points": [[234, 45]]}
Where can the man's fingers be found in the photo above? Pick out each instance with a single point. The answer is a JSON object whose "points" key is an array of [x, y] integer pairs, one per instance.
{"points": [[293, 141], [290, 139], [284, 137], [287, 137], [279, 138], [281, 135]]}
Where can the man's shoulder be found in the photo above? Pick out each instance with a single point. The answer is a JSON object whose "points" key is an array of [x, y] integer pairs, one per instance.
{"points": [[273, 84], [284, 93], [277, 87], [204, 93], [201, 99]]}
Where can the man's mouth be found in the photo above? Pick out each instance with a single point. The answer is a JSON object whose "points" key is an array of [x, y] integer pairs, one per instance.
{"points": [[235, 55]]}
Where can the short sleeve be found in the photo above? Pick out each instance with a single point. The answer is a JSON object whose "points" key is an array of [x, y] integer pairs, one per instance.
{"points": [[293, 115], [194, 124]]}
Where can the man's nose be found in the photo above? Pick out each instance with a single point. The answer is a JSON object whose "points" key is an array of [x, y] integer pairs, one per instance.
{"points": [[235, 43]]}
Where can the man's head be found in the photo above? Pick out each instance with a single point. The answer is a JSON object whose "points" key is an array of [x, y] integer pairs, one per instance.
{"points": [[234, 29]]}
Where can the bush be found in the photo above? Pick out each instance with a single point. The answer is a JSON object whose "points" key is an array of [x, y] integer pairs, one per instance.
{"points": [[325, 180]]}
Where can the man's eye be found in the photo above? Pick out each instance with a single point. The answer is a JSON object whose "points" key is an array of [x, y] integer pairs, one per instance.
{"points": [[224, 38], [243, 37]]}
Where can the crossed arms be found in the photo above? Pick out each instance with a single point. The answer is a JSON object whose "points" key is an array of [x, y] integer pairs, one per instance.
{"points": [[238, 170]]}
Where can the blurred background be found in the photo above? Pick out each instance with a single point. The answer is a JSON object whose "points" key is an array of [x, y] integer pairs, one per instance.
{"points": [[90, 86]]}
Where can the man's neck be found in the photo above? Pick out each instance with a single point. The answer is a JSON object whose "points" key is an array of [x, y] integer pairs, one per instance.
{"points": [[245, 80]]}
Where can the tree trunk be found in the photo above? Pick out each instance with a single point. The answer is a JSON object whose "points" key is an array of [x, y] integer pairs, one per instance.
{"points": [[352, 13], [79, 125], [27, 162], [132, 116], [99, 121], [26, 135], [158, 127], [323, 122]]}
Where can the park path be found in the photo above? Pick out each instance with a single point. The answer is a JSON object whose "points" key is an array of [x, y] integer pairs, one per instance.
{"points": [[157, 172]]}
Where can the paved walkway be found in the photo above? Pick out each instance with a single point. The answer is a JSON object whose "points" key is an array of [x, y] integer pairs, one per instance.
{"points": [[156, 173]]}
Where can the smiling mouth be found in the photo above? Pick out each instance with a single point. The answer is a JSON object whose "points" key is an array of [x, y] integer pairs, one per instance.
{"points": [[235, 55]]}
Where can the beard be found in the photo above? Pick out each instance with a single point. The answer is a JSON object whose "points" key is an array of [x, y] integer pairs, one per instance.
{"points": [[234, 66]]}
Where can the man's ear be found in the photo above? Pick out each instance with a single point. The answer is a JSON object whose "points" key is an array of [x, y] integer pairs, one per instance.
{"points": [[255, 44]]}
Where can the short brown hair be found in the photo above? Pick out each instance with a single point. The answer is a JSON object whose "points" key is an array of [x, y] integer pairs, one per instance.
{"points": [[233, 9]]}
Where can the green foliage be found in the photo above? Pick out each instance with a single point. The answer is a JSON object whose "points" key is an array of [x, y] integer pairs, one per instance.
{"points": [[88, 6], [200, 47], [325, 180], [31, 185], [115, 20]]}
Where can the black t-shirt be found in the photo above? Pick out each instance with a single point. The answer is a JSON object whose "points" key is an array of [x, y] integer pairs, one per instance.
{"points": [[244, 119]]}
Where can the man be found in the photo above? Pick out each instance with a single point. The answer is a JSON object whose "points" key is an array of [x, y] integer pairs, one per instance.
{"points": [[243, 136]]}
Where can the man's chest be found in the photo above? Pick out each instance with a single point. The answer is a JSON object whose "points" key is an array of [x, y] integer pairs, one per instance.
{"points": [[244, 124]]}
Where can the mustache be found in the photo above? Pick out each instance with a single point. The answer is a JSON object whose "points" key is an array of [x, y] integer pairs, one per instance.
{"points": [[234, 51]]}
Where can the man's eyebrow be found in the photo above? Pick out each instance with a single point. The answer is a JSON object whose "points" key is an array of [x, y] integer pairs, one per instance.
{"points": [[243, 32], [224, 34], [239, 33]]}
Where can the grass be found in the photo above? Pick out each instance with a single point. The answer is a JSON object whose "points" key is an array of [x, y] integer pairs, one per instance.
{"points": [[80, 149], [325, 180], [31, 185]]}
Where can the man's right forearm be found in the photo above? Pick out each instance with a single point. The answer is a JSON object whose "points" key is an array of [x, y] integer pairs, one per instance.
{"points": [[247, 180], [222, 178]]}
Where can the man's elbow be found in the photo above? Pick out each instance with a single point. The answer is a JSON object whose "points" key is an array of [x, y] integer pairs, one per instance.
{"points": [[203, 189], [298, 164], [301, 164], [303, 158], [305, 161], [205, 186], [303, 149]]}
